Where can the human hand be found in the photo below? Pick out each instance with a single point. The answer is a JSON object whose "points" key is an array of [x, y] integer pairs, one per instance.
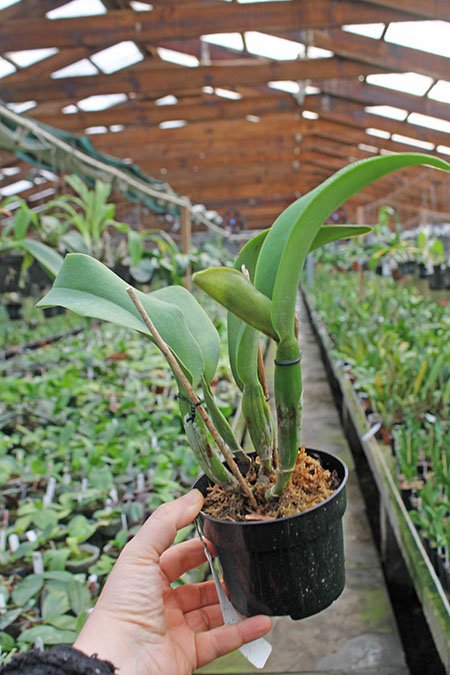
{"points": [[145, 627]]}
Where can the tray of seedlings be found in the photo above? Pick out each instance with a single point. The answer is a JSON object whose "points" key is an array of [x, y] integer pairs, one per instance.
{"points": [[90, 444], [388, 357]]}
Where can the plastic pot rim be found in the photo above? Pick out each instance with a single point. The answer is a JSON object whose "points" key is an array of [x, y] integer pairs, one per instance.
{"points": [[254, 523]]}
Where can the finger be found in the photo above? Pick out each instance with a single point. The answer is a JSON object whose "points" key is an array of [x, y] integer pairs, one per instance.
{"points": [[181, 558], [205, 619], [158, 532], [195, 596], [220, 641]]}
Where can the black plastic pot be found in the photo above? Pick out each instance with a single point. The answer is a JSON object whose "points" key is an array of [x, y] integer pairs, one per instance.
{"points": [[436, 280], [291, 566]]}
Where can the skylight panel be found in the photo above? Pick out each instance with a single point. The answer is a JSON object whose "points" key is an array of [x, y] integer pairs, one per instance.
{"points": [[101, 102], [443, 149], [179, 58], [82, 68], [21, 107], [425, 145], [428, 36], [6, 68], [227, 93], [7, 3], [273, 47], [228, 40], [318, 53], [90, 131], [119, 56], [368, 148], [429, 122], [70, 109], [9, 171], [43, 194], [372, 30], [27, 57], [310, 115], [172, 124], [77, 8], [292, 87], [379, 133], [410, 83], [289, 86], [15, 188], [387, 111], [141, 6], [170, 99], [115, 128], [440, 91]]}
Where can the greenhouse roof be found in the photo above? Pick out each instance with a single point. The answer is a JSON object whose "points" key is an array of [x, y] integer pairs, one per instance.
{"points": [[249, 117]]}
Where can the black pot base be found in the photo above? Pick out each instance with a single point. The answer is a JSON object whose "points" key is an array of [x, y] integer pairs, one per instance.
{"points": [[293, 566]]}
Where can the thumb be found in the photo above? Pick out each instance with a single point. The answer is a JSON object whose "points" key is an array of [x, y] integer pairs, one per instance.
{"points": [[159, 531]]}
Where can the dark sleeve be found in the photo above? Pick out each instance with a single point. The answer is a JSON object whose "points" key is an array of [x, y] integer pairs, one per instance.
{"points": [[60, 660]]}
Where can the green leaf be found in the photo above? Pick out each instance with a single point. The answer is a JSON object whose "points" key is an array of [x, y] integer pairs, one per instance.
{"points": [[9, 617], [79, 597], [50, 259], [328, 233], [80, 528], [89, 288], [290, 238], [65, 621], [27, 589], [135, 247], [56, 602], [230, 288], [44, 519], [48, 634], [198, 322], [6, 642]]}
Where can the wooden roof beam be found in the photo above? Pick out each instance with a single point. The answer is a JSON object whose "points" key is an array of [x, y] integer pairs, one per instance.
{"points": [[392, 57], [159, 80], [184, 21], [370, 95], [433, 9]]}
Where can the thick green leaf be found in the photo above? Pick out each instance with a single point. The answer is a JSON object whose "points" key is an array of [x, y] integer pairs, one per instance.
{"points": [[79, 597], [55, 604], [27, 589], [89, 288], [48, 634], [198, 322], [50, 259], [328, 233], [231, 289], [284, 251]]}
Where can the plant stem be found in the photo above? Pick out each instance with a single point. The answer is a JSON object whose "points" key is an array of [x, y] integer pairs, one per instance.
{"points": [[262, 372], [195, 400]]}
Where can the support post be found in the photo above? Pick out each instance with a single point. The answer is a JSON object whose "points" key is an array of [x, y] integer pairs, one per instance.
{"points": [[186, 232]]}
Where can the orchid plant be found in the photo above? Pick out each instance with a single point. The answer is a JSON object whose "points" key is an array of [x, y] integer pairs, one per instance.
{"points": [[260, 294]]}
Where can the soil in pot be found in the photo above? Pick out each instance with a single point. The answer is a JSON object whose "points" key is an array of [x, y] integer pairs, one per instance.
{"points": [[90, 556], [293, 565]]}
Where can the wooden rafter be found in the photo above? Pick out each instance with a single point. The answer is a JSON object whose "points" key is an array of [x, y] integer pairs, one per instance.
{"points": [[184, 21]]}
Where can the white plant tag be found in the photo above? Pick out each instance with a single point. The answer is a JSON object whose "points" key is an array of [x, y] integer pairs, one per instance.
{"points": [[256, 652], [38, 563], [50, 492], [372, 431], [31, 535], [14, 543]]}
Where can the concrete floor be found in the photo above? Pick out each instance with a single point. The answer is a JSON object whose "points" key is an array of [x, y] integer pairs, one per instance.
{"points": [[357, 634]]}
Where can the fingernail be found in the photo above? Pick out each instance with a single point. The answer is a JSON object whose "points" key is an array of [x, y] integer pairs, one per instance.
{"points": [[194, 497]]}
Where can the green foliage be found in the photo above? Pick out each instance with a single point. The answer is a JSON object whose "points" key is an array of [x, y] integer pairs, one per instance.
{"points": [[265, 302]]}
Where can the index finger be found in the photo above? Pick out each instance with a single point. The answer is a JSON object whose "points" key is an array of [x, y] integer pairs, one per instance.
{"points": [[159, 531]]}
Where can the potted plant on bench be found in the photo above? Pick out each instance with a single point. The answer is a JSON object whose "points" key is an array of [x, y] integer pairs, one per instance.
{"points": [[275, 518]]}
